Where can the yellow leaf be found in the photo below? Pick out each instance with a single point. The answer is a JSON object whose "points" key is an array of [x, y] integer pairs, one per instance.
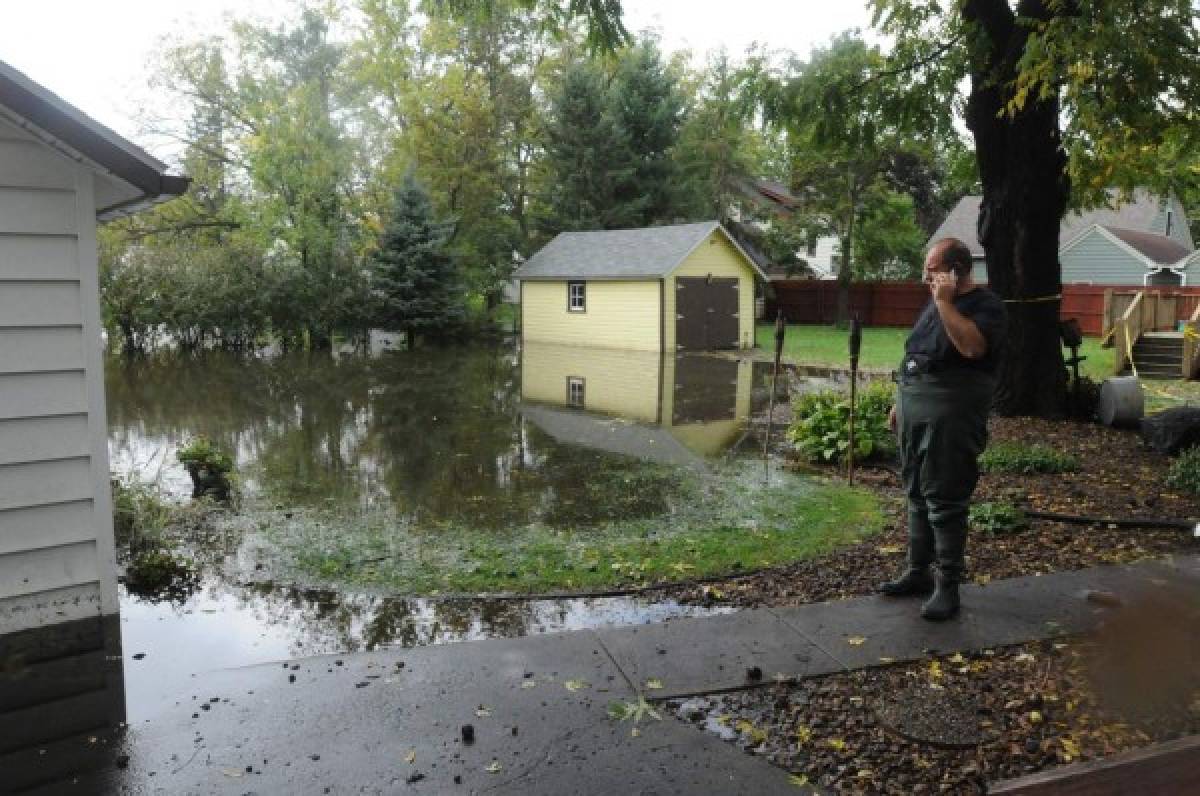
{"points": [[1070, 748], [803, 735], [836, 743], [635, 732], [935, 669], [799, 780], [958, 658], [1035, 716], [856, 641], [654, 684], [494, 767], [576, 685], [887, 660], [890, 549], [411, 757]]}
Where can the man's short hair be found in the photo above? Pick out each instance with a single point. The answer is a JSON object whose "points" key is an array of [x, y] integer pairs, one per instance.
{"points": [[956, 254]]}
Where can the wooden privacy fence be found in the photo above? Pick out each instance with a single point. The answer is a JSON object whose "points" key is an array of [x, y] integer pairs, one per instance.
{"points": [[1096, 307]]}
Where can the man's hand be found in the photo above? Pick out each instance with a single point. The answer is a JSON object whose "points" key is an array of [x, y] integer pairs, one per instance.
{"points": [[892, 418], [944, 286]]}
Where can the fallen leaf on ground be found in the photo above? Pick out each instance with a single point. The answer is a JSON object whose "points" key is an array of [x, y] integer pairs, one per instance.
{"points": [[654, 684], [803, 735], [232, 772], [528, 683], [493, 767], [836, 743], [483, 712], [411, 757], [799, 780], [856, 641], [576, 685]]}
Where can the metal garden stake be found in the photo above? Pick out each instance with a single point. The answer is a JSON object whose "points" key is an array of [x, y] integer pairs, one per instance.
{"points": [[855, 347], [779, 330]]}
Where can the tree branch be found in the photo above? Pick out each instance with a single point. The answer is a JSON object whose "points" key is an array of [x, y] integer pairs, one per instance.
{"points": [[941, 50]]}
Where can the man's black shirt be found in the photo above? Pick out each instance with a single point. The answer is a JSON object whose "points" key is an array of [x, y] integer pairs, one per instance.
{"points": [[929, 344]]}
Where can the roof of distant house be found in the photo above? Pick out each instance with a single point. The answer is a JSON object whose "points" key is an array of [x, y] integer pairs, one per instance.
{"points": [[642, 253], [63, 126], [1156, 248], [1134, 215]]}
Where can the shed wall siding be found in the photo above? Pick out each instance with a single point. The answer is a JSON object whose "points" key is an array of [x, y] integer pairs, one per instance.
{"points": [[718, 257], [55, 562], [1096, 259], [619, 315]]}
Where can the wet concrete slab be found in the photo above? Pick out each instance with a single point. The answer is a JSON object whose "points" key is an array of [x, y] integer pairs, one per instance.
{"points": [[869, 631], [393, 721], [692, 656]]}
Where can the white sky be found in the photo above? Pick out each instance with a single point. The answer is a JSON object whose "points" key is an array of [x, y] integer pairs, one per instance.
{"points": [[95, 54]]}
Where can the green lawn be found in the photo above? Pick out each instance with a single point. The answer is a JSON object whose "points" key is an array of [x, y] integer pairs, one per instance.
{"points": [[882, 348]]}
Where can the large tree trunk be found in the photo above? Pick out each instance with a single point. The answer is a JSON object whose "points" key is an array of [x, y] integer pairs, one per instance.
{"points": [[1025, 191]]}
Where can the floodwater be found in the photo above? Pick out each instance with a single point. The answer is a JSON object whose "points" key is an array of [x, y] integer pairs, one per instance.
{"points": [[491, 437]]}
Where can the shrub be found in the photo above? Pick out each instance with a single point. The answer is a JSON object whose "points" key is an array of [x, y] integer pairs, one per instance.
{"points": [[1185, 471], [1013, 457], [997, 518], [1083, 400], [208, 467], [820, 426], [161, 574]]}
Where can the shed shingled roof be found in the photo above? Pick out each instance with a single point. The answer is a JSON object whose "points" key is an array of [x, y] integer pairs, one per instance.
{"points": [[643, 253], [1137, 214]]}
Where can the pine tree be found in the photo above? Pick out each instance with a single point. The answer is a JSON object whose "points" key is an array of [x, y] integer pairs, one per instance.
{"points": [[647, 107], [415, 283], [581, 139]]}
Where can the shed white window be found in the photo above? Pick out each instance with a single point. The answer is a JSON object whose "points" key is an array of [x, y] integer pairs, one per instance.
{"points": [[575, 392], [576, 296]]}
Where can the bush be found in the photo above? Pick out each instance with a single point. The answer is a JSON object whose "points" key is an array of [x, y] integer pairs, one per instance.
{"points": [[820, 426], [1013, 457], [1083, 400], [1185, 471], [208, 467], [997, 518]]}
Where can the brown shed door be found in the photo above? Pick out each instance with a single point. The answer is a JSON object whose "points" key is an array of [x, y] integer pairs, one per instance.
{"points": [[706, 313]]}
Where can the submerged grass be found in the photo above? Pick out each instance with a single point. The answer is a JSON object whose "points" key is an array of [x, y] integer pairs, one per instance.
{"points": [[717, 524]]}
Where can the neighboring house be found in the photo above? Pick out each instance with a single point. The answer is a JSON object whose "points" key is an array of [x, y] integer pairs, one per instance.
{"points": [[682, 287], [822, 253], [1145, 241], [59, 172]]}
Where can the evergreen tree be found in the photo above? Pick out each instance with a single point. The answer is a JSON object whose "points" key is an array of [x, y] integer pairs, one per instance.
{"points": [[415, 283], [647, 107], [580, 141]]}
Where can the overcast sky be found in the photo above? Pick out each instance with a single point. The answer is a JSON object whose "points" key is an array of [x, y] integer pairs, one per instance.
{"points": [[95, 54]]}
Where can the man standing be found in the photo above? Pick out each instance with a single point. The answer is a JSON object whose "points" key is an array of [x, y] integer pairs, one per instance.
{"points": [[946, 383]]}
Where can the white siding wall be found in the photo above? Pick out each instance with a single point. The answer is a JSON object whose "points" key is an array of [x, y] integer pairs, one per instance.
{"points": [[1098, 260], [56, 550]]}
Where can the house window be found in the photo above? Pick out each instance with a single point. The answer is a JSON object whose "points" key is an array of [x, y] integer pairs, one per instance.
{"points": [[576, 296], [575, 391]]}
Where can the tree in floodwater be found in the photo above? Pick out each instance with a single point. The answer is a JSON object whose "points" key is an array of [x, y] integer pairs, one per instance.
{"points": [[415, 283]]}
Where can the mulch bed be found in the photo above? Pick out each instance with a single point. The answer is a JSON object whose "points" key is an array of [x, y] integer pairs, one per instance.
{"points": [[956, 723], [1008, 712], [1118, 479]]}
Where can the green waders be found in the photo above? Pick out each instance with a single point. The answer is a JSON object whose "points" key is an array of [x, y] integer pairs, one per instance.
{"points": [[942, 423]]}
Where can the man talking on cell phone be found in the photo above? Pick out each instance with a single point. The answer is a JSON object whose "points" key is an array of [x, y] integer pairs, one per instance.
{"points": [[946, 382]]}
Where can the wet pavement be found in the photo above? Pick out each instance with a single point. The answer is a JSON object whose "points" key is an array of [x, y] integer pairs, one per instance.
{"points": [[392, 720]]}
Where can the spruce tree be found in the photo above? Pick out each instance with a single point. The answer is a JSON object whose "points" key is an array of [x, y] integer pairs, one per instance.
{"points": [[647, 107], [416, 286], [581, 155]]}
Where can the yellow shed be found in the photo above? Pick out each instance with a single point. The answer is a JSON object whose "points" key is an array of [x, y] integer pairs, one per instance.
{"points": [[686, 287]]}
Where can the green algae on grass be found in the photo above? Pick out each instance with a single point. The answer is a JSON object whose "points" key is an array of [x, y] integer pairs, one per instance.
{"points": [[714, 524]]}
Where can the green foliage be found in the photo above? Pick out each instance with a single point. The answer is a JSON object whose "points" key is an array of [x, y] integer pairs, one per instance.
{"points": [[997, 518], [1014, 457], [161, 575], [201, 452], [414, 280], [1185, 471], [140, 516], [820, 426]]}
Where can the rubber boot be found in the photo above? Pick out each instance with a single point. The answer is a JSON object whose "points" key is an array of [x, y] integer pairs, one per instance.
{"points": [[917, 579], [944, 602]]}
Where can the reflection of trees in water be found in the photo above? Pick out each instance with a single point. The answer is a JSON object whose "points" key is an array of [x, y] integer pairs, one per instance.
{"points": [[323, 620], [436, 432]]}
